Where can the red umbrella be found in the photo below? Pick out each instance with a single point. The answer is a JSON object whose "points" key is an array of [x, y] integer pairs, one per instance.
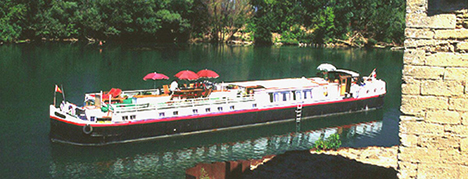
{"points": [[187, 75], [155, 76], [207, 74]]}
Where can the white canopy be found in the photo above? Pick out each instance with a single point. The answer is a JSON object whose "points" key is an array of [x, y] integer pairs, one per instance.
{"points": [[278, 83], [326, 67]]}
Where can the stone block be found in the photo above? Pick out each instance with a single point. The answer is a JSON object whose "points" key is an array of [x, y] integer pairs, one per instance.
{"points": [[417, 154], [412, 3], [423, 72], [445, 59], [440, 21], [443, 117], [407, 169], [411, 118], [460, 130], [451, 34], [456, 74], [462, 46], [415, 104], [465, 118], [416, 6], [416, 20], [442, 171], [452, 157], [443, 142], [413, 43], [419, 33], [414, 57], [458, 104], [412, 88], [442, 88], [411, 127], [408, 140], [464, 145]]}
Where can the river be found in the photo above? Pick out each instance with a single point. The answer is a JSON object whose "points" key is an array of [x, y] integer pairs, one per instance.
{"points": [[30, 72]]}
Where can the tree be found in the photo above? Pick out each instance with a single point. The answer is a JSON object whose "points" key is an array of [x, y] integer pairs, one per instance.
{"points": [[220, 19], [324, 26], [11, 18]]}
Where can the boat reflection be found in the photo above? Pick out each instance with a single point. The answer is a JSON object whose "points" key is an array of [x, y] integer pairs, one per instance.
{"points": [[171, 157]]}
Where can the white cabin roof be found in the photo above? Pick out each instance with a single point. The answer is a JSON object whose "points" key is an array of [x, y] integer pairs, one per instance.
{"points": [[279, 83], [352, 73]]}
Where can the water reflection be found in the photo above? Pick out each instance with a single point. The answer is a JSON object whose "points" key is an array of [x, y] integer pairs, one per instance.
{"points": [[170, 157]]}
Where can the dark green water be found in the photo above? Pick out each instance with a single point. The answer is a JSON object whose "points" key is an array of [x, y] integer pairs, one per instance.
{"points": [[30, 71]]}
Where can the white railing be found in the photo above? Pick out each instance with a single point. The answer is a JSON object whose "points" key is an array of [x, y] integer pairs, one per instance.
{"points": [[124, 108], [135, 92]]}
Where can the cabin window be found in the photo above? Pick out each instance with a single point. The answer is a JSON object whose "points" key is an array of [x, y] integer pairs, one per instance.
{"points": [[124, 118], [284, 97], [276, 97], [271, 97], [161, 114], [208, 109], [375, 90], [294, 96], [195, 111], [232, 107], [175, 113], [133, 117], [305, 94], [92, 118], [254, 105], [220, 108], [298, 95]]}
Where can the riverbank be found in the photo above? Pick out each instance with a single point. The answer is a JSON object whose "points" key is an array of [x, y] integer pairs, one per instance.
{"points": [[370, 162], [338, 43]]}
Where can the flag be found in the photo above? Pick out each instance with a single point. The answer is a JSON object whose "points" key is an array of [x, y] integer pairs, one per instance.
{"points": [[57, 89], [373, 74]]}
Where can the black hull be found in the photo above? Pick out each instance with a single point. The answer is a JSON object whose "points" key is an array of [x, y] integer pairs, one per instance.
{"points": [[61, 131]]}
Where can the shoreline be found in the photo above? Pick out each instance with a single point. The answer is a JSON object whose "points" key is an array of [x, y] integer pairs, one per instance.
{"points": [[379, 45]]}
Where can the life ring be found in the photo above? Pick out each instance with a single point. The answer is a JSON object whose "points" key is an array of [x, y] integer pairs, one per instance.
{"points": [[87, 129]]}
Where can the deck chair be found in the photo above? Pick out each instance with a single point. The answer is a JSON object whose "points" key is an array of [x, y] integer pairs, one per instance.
{"points": [[166, 89]]}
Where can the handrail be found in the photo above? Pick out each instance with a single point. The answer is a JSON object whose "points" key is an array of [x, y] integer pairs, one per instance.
{"points": [[123, 108]]}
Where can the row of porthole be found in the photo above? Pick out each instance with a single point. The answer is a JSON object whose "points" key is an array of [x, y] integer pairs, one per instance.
{"points": [[375, 90], [195, 111], [132, 117]]}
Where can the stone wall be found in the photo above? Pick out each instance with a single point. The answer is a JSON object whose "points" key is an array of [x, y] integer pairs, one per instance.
{"points": [[434, 120]]}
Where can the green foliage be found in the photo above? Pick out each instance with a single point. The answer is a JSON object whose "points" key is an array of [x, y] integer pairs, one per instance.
{"points": [[324, 26], [292, 36], [11, 18], [331, 142], [332, 19], [317, 21]]}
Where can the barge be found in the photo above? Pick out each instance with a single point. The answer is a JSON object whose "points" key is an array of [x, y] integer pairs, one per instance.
{"points": [[120, 116]]}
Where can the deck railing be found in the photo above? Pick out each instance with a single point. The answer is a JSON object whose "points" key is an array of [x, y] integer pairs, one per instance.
{"points": [[183, 103]]}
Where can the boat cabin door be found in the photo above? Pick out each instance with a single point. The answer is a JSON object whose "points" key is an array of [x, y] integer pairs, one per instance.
{"points": [[345, 84]]}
